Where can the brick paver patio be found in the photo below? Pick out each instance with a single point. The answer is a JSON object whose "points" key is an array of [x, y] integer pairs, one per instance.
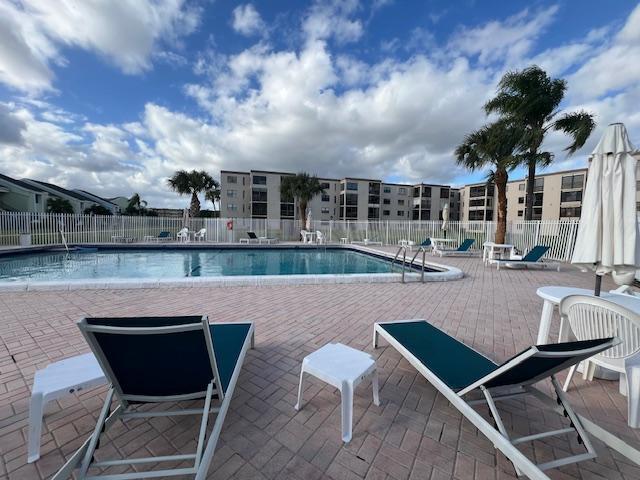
{"points": [[413, 434]]}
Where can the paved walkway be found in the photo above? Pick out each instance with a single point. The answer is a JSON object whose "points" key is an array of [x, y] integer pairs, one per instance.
{"points": [[414, 434]]}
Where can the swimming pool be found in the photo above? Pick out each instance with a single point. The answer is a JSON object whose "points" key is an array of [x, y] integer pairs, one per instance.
{"points": [[103, 267]]}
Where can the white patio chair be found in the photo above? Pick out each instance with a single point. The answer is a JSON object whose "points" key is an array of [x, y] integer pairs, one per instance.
{"points": [[201, 235], [303, 234], [183, 235], [320, 238], [592, 318]]}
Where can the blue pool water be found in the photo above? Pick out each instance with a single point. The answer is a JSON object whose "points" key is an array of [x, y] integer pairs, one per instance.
{"points": [[177, 263]]}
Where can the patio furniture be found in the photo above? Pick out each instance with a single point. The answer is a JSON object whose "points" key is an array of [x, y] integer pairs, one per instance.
{"points": [[251, 238], [55, 381], [366, 242], [183, 236], [307, 236], [532, 259], [593, 317], [464, 250], [161, 237], [344, 368], [496, 251], [344, 240], [160, 360], [200, 235], [456, 370], [121, 239], [320, 238]]}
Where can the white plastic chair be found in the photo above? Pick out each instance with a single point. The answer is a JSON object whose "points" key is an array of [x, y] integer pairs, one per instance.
{"points": [[320, 238], [593, 317], [303, 234], [201, 235], [183, 235]]}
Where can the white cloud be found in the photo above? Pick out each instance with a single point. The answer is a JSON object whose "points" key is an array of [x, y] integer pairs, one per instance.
{"points": [[126, 33], [11, 127], [247, 20], [331, 19]]}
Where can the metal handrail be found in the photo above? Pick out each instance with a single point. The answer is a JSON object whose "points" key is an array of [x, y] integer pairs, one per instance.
{"points": [[424, 252], [404, 259]]}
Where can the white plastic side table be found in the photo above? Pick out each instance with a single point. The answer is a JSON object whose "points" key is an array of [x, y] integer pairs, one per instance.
{"points": [[55, 381], [344, 368]]}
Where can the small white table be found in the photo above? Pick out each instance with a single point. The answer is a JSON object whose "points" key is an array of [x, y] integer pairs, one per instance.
{"points": [[55, 381], [492, 250], [552, 297], [344, 368], [309, 237]]}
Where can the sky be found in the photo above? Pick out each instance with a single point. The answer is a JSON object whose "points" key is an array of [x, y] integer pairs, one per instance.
{"points": [[113, 97]]}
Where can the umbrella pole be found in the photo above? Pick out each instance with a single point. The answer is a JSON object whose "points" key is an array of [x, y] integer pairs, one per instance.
{"points": [[598, 285]]}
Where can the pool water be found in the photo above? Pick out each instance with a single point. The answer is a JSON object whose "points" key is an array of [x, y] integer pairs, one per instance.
{"points": [[177, 263]]}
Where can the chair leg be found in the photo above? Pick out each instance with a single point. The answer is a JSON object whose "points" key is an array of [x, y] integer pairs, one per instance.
{"points": [[374, 385], [346, 393], [567, 382], [36, 411], [633, 395], [298, 405]]}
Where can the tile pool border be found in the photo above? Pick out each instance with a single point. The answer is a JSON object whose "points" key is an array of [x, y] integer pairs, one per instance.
{"points": [[442, 272]]}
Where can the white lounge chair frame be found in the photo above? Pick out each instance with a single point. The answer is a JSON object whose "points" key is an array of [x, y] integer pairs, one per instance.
{"points": [[200, 235], [500, 436], [83, 457], [515, 264], [366, 242]]}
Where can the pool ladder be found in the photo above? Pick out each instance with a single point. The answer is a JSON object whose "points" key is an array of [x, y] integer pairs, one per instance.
{"points": [[403, 250]]}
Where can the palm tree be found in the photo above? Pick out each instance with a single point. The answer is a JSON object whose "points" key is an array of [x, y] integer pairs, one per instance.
{"points": [[530, 99], [136, 205], [192, 183], [301, 187], [494, 146], [59, 205], [213, 195]]}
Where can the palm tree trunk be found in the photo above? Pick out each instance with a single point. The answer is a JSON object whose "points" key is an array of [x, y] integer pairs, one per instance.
{"points": [[194, 209], [303, 214], [531, 180], [501, 178]]}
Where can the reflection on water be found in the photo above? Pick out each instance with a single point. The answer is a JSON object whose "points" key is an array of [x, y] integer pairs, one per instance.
{"points": [[183, 263]]}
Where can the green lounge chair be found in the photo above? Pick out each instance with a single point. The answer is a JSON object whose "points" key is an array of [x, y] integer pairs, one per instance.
{"points": [[155, 360], [464, 250], [456, 370], [532, 259]]}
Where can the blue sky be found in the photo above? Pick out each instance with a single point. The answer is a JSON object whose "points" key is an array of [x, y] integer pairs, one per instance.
{"points": [[114, 96]]}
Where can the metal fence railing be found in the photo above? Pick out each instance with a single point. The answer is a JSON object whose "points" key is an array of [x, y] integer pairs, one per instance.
{"points": [[44, 229]]}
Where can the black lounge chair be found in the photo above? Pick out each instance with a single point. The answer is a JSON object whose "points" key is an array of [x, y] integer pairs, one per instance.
{"points": [[152, 360], [457, 370]]}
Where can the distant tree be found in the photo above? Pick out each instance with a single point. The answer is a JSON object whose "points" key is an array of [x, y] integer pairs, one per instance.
{"points": [[97, 210], [192, 183], [213, 195], [301, 187], [59, 205], [530, 99], [136, 206], [494, 146]]}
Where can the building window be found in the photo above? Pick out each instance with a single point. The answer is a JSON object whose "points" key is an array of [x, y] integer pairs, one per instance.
{"points": [[373, 213], [287, 210], [232, 207], [444, 193], [402, 191], [538, 184], [426, 191], [324, 210], [520, 213], [571, 196], [259, 180], [520, 199], [351, 212], [570, 212], [325, 186], [537, 213], [259, 209], [386, 201], [477, 202], [232, 179], [352, 198], [401, 213], [572, 181], [477, 191], [38, 198], [326, 198], [476, 214], [385, 213], [386, 189], [400, 201], [231, 193], [352, 186], [521, 187], [258, 195], [374, 199]]}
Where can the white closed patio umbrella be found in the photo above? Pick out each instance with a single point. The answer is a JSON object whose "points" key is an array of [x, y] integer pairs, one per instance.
{"points": [[445, 219], [608, 237], [308, 223]]}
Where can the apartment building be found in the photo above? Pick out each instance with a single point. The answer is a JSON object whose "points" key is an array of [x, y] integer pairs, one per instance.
{"points": [[256, 194], [556, 196]]}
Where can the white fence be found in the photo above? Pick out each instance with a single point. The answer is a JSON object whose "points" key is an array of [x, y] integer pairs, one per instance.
{"points": [[44, 229]]}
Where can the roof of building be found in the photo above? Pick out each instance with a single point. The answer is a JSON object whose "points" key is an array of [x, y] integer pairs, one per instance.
{"points": [[91, 196], [63, 191], [20, 183]]}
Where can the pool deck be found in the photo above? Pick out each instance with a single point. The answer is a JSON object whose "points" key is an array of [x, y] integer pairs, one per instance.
{"points": [[413, 434]]}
